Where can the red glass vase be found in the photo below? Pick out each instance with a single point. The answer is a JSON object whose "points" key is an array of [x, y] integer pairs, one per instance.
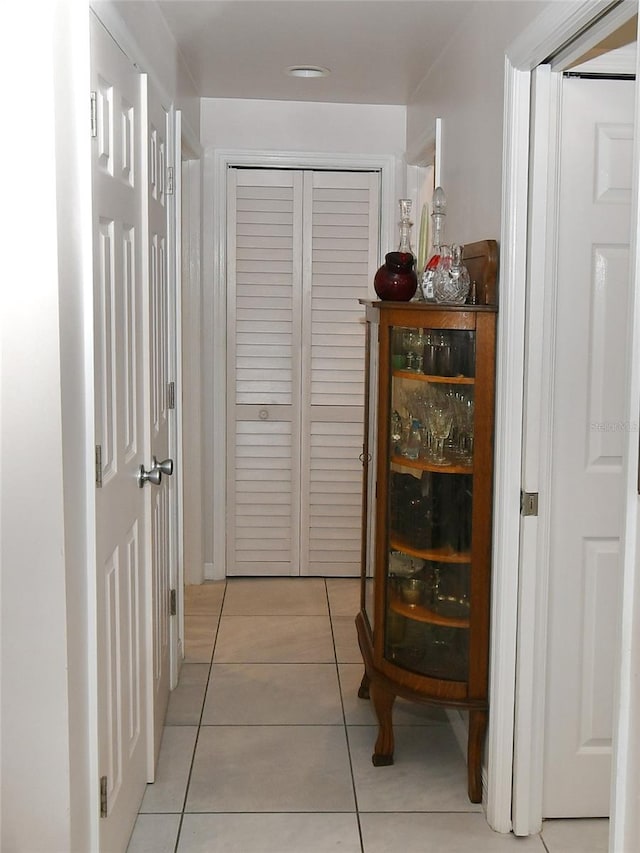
{"points": [[396, 280]]}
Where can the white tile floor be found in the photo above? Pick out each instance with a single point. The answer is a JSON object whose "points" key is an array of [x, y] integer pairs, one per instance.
{"points": [[267, 748]]}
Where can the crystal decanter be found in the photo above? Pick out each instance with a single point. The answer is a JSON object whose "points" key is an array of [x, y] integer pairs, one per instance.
{"points": [[451, 281], [438, 214]]}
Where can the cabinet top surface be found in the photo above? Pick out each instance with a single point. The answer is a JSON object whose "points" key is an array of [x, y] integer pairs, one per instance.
{"points": [[428, 307]]}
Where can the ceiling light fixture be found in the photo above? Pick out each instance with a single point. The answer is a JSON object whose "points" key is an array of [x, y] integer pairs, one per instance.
{"points": [[308, 71]]}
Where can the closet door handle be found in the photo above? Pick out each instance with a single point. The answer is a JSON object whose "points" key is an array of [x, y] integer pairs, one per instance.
{"points": [[263, 414]]}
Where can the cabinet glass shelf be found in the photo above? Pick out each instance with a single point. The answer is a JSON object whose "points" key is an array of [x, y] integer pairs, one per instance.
{"points": [[425, 465], [443, 380]]}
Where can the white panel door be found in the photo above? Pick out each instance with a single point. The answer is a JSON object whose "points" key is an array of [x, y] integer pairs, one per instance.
{"points": [[121, 530], [157, 365], [588, 441], [302, 249]]}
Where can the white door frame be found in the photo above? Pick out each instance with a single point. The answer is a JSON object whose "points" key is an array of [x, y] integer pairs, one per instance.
{"points": [[513, 744], [190, 371], [217, 162], [186, 370], [536, 463]]}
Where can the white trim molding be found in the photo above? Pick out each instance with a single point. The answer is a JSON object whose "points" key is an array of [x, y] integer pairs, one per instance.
{"points": [[509, 423], [217, 162], [536, 463], [561, 23]]}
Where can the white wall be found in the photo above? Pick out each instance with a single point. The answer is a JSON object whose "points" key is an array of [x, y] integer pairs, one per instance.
{"points": [[302, 126], [45, 714], [277, 127], [465, 88]]}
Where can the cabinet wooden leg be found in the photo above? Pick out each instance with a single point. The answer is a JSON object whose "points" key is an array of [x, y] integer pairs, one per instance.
{"points": [[477, 730], [363, 691], [383, 705]]}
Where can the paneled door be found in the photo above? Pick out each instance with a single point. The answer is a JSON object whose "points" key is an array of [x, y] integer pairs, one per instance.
{"points": [[121, 525], [588, 440], [302, 248], [161, 498]]}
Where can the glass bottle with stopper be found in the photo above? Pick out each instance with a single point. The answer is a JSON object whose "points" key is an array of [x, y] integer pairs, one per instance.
{"points": [[405, 225], [437, 216]]}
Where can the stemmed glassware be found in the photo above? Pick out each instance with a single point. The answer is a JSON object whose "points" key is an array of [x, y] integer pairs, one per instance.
{"points": [[466, 418], [446, 421], [440, 414]]}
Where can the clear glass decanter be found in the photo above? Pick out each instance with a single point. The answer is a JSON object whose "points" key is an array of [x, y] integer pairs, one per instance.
{"points": [[451, 281], [405, 225], [438, 214]]}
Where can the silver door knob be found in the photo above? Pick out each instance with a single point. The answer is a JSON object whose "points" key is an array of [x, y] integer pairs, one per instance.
{"points": [[165, 467], [154, 475]]}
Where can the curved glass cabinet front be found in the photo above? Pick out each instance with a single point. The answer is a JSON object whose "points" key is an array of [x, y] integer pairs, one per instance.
{"points": [[430, 501]]}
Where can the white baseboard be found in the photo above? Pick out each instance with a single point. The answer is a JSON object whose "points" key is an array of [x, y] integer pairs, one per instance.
{"points": [[460, 724], [211, 573], [459, 721]]}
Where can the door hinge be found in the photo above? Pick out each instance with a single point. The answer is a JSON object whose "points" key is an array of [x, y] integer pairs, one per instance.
{"points": [[94, 114], [169, 181], [103, 796], [173, 603], [98, 466], [528, 503], [171, 395]]}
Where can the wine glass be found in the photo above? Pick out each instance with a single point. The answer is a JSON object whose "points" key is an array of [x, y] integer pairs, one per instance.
{"points": [[440, 422], [466, 428]]}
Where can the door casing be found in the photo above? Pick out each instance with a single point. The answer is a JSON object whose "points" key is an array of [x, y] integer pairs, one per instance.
{"points": [[215, 185], [512, 743]]}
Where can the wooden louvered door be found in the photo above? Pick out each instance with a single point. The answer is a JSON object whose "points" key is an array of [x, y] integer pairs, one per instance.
{"points": [[302, 249]]}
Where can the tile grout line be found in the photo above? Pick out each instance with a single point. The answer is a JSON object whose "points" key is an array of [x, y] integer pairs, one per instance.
{"points": [[204, 699], [344, 721]]}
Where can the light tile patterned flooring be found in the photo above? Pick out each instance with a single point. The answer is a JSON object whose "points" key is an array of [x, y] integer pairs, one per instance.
{"points": [[267, 748]]}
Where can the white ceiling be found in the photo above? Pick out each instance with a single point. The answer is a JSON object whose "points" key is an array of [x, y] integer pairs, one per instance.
{"points": [[378, 50]]}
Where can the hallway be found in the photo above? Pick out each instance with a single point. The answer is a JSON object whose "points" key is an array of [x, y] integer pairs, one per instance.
{"points": [[267, 748]]}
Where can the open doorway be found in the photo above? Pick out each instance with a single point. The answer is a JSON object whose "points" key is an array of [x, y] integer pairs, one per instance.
{"points": [[570, 585]]}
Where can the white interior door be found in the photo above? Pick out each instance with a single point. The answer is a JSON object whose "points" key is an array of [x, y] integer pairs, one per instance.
{"points": [[160, 310], [587, 446], [340, 257], [121, 527], [264, 297], [302, 248]]}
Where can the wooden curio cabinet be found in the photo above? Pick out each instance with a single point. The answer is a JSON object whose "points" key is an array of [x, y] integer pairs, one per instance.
{"points": [[423, 625]]}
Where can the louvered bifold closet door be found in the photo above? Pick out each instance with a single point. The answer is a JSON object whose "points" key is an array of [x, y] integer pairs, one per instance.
{"points": [[264, 252], [340, 239]]}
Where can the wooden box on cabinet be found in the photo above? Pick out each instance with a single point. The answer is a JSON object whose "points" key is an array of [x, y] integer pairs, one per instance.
{"points": [[423, 625]]}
